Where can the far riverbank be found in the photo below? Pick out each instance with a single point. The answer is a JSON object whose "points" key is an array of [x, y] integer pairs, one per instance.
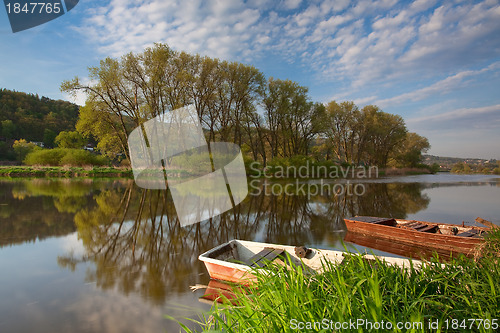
{"points": [[67, 172]]}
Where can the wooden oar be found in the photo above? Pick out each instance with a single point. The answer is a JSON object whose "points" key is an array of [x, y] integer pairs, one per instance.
{"points": [[486, 223]]}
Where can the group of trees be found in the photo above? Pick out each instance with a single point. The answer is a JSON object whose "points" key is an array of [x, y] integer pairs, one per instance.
{"points": [[369, 136], [269, 119], [468, 168], [29, 117], [66, 141], [33, 118]]}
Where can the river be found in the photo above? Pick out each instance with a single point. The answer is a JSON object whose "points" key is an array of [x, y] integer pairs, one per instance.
{"points": [[83, 255]]}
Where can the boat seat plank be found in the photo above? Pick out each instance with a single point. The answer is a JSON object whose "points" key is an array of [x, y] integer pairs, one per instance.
{"points": [[414, 225], [265, 256], [469, 233], [374, 220], [430, 229], [410, 224]]}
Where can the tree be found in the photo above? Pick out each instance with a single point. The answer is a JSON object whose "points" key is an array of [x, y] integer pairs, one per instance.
{"points": [[138, 87], [290, 117], [71, 139], [49, 137], [409, 152], [384, 131], [343, 129], [28, 111], [22, 148], [8, 129]]}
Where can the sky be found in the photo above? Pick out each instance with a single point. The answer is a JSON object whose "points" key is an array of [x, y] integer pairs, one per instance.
{"points": [[435, 63]]}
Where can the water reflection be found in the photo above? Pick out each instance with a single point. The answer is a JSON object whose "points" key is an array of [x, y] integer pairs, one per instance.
{"points": [[133, 241]]}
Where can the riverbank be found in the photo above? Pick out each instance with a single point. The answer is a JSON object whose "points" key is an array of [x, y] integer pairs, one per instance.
{"points": [[99, 171], [67, 172], [461, 295]]}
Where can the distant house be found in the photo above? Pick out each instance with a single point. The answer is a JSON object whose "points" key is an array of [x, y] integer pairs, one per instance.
{"points": [[89, 147], [38, 143]]}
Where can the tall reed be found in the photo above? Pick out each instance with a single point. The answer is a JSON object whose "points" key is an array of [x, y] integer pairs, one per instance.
{"points": [[443, 298]]}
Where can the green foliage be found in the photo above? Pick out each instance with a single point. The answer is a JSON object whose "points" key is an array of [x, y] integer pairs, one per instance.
{"points": [[367, 136], [6, 152], [22, 148], [293, 120], [408, 154], [27, 112], [93, 121], [28, 171], [79, 157], [490, 250], [49, 137], [461, 168], [70, 139], [357, 289], [434, 168], [64, 156], [8, 129], [129, 91], [45, 157]]}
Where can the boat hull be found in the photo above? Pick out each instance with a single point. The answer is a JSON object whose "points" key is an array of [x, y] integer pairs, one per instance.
{"points": [[447, 244], [219, 267]]}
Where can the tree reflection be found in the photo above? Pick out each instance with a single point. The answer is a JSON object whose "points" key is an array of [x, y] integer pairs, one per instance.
{"points": [[135, 241], [138, 246]]}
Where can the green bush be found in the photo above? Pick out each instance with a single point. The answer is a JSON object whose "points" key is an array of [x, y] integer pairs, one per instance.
{"points": [[64, 156], [79, 157], [22, 148], [45, 157]]}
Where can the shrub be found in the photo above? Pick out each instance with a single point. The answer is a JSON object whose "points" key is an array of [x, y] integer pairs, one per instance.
{"points": [[22, 148], [78, 157], [64, 156]]}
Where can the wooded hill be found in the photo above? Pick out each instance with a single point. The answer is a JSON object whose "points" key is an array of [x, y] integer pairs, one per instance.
{"points": [[30, 117]]}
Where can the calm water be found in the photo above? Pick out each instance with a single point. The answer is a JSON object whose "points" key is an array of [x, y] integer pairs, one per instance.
{"points": [[107, 256]]}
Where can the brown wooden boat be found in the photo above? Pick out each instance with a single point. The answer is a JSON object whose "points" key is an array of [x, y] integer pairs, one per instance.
{"points": [[413, 251], [446, 239]]}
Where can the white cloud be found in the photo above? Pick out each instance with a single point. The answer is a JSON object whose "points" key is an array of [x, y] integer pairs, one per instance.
{"points": [[487, 117], [356, 43], [292, 4], [441, 87]]}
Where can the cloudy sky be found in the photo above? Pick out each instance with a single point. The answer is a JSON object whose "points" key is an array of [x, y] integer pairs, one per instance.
{"points": [[436, 63]]}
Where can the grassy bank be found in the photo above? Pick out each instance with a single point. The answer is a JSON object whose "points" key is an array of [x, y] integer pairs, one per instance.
{"points": [[359, 297], [70, 172]]}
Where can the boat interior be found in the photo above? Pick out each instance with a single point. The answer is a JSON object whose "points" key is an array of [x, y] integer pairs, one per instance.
{"points": [[259, 255], [428, 227]]}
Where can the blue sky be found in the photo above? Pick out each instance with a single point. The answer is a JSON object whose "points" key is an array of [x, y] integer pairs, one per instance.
{"points": [[436, 63]]}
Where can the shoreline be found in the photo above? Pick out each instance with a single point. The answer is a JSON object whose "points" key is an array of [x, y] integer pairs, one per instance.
{"points": [[63, 172], [20, 171]]}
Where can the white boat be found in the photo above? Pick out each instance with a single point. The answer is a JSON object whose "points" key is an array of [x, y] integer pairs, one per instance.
{"points": [[235, 260]]}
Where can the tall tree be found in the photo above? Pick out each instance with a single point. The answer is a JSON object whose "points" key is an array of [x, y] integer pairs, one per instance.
{"points": [[385, 131], [344, 129], [289, 116], [409, 152]]}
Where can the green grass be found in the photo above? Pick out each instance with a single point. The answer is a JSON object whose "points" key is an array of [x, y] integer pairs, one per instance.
{"points": [[69, 172], [443, 296]]}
